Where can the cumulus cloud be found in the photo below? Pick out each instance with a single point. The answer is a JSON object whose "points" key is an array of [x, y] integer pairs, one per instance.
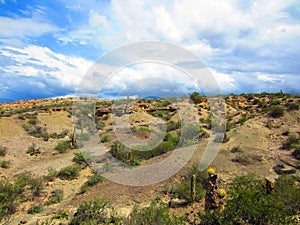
{"points": [[38, 70]]}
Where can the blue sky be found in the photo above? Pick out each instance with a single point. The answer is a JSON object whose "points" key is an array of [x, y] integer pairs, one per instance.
{"points": [[46, 47]]}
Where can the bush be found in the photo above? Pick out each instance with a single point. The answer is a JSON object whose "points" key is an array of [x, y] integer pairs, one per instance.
{"points": [[69, 172], [276, 111], [154, 214], [3, 150], [92, 212], [52, 174], [79, 159], [63, 146], [105, 138], [56, 196], [33, 150], [246, 159], [5, 164], [36, 186], [236, 149], [248, 203], [292, 141], [292, 106], [92, 181], [34, 209], [182, 190]]}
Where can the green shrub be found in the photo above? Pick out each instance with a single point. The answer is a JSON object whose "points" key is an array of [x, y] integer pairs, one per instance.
{"points": [[63, 146], [56, 196], [52, 174], [154, 214], [33, 150], [292, 106], [79, 159], [276, 111], [92, 212], [105, 138], [61, 215], [69, 172], [236, 149], [3, 150], [34, 209], [182, 190], [36, 186], [92, 181], [248, 203], [5, 164]]}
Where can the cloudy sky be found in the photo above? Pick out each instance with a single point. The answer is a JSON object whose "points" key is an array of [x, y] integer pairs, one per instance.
{"points": [[46, 47]]}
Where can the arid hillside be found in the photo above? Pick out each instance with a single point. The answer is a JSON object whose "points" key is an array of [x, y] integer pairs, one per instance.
{"points": [[47, 174]]}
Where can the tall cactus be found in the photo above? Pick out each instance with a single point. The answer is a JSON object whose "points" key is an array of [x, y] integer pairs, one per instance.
{"points": [[73, 139], [193, 187]]}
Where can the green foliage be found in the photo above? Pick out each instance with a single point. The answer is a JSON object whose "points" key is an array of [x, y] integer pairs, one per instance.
{"points": [[105, 138], [172, 125], [11, 194], [34, 209], [93, 213], [5, 164], [69, 172], [52, 174], [3, 150], [236, 149], [248, 203], [36, 186], [92, 181], [276, 111], [56, 196], [79, 159], [63, 146], [154, 214], [196, 98], [275, 102], [33, 150], [61, 215], [182, 190]]}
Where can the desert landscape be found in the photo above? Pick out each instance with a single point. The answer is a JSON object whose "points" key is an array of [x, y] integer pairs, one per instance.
{"points": [[48, 178]]}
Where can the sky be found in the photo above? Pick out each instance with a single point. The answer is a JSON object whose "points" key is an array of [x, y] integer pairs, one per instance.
{"points": [[47, 47]]}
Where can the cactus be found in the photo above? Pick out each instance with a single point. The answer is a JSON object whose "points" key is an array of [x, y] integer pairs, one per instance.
{"points": [[73, 138], [193, 187]]}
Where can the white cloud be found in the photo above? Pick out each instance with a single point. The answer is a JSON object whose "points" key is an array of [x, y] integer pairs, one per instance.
{"points": [[269, 77], [24, 27], [35, 61]]}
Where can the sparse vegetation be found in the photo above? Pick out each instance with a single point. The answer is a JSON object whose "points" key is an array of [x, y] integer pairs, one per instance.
{"points": [[276, 111], [246, 159], [237, 149], [5, 164], [154, 214], [34, 209], [69, 172], [63, 146], [292, 141], [93, 212], [56, 196], [3, 151], [249, 203]]}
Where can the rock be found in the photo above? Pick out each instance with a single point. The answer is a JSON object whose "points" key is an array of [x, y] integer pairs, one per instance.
{"points": [[176, 202]]}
